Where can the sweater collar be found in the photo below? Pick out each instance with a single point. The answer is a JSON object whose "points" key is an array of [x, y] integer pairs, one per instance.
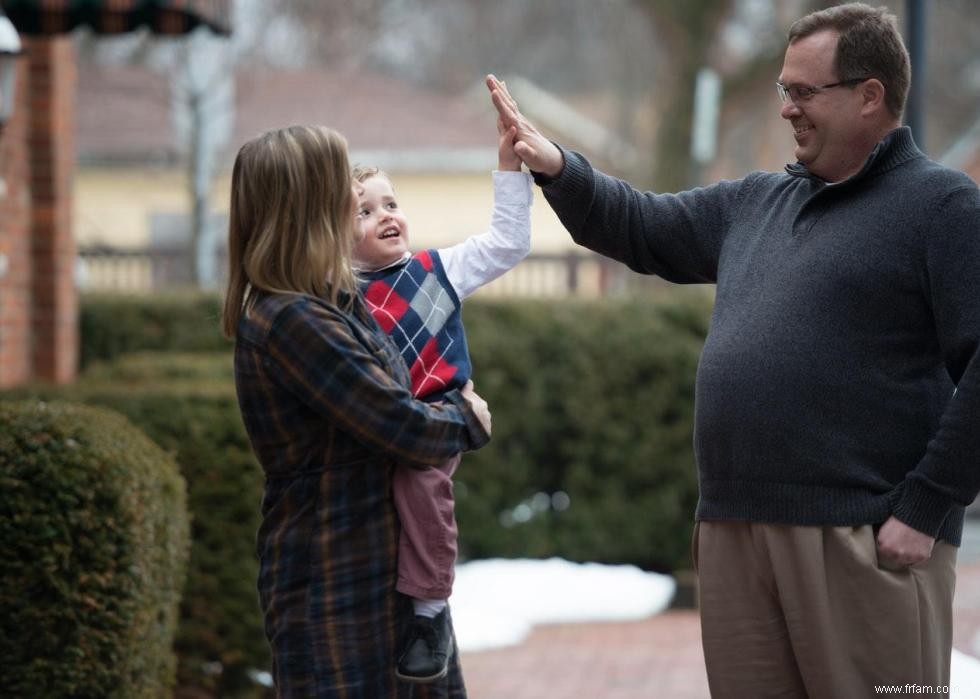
{"points": [[380, 271], [895, 148]]}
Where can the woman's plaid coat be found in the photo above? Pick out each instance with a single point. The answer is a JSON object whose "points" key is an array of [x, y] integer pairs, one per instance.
{"points": [[325, 399]]}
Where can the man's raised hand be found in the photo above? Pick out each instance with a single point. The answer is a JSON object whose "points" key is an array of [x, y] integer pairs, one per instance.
{"points": [[537, 152]]}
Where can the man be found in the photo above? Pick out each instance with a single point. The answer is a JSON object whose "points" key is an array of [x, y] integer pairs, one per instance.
{"points": [[838, 394]]}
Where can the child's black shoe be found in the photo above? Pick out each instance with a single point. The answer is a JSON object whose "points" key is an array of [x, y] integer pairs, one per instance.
{"points": [[427, 651]]}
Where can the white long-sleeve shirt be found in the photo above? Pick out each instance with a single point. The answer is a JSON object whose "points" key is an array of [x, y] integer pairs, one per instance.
{"points": [[481, 258]]}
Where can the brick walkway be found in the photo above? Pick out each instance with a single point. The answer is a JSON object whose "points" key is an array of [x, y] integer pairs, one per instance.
{"points": [[656, 657]]}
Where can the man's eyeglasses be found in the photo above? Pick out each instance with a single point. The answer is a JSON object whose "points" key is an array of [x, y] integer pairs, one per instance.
{"points": [[802, 93]]}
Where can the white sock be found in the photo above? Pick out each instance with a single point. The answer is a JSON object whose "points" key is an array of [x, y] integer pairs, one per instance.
{"points": [[428, 607]]}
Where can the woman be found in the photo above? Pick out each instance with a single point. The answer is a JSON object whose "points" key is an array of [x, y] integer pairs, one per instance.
{"points": [[325, 399]]}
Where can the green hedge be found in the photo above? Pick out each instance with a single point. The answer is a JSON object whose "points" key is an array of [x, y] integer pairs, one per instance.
{"points": [[186, 404], [93, 544], [592, 408], [114, 324]]}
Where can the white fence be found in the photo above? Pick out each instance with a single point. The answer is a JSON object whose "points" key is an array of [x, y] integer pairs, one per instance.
{"points": [[540, 275]]}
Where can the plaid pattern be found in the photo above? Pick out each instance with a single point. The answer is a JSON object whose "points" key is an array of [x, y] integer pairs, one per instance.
{"points": [[415, 303], [324, 397]]}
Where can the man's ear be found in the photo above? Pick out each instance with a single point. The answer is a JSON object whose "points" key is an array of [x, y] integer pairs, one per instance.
{"points": [[873, 95]]}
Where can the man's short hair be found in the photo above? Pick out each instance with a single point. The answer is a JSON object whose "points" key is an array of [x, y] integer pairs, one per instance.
{"points": [[870, 45]]}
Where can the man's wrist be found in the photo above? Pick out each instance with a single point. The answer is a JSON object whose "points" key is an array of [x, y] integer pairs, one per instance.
{"points": [[547, 176]]}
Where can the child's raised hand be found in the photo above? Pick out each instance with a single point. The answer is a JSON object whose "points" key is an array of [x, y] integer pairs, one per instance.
{"points": [[537, 152], [507, 158]]}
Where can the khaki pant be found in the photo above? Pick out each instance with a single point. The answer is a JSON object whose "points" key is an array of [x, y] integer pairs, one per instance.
{"points": [[807, 612]]}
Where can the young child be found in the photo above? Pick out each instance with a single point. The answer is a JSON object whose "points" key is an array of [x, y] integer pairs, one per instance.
{"points": [[416, 299]]}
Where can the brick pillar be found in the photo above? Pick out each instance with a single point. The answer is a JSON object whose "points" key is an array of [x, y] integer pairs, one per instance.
{"points": [[52, 155], [15, 242]]}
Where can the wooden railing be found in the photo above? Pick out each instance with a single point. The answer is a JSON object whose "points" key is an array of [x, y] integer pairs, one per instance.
{"points": [[539, 275], [132, 270]]}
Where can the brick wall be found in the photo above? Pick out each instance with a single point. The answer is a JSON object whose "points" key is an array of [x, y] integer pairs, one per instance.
{"points": [[52, 108], [15, 251], [38, 301]]}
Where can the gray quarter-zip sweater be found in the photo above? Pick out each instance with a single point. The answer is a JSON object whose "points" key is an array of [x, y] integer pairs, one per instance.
{"points": [[845, 316]]}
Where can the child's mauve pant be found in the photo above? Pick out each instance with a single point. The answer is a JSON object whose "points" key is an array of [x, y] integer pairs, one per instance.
{"points": [[427, 546]]}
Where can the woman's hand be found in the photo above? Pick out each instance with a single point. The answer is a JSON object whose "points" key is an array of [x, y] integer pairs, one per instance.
{"points": [[479, 406]]}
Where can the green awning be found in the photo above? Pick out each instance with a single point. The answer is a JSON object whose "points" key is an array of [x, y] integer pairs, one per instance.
{"points": [[46, 17]]}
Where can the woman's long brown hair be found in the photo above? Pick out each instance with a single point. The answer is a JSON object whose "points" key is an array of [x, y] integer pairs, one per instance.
{"points": [[291, 223]]}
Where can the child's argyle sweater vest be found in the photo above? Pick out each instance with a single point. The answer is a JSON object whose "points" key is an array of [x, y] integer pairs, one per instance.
{"points": [[419, 309]]}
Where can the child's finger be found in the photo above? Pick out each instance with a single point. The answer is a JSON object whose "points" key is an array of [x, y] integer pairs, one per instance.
{"points": [[505, 108]]}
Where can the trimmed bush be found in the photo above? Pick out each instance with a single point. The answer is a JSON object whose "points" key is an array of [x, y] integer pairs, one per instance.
{"points": [[186, 403], [114, 324], [93, 540], [592, 451], [154, 368]]}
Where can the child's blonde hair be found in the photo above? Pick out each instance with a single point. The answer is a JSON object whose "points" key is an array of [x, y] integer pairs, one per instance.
{"points": [[362, 173], [291, 225]]}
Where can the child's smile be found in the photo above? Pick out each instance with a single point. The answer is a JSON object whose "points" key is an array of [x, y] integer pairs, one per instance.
{"points": [[382, 224]]}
